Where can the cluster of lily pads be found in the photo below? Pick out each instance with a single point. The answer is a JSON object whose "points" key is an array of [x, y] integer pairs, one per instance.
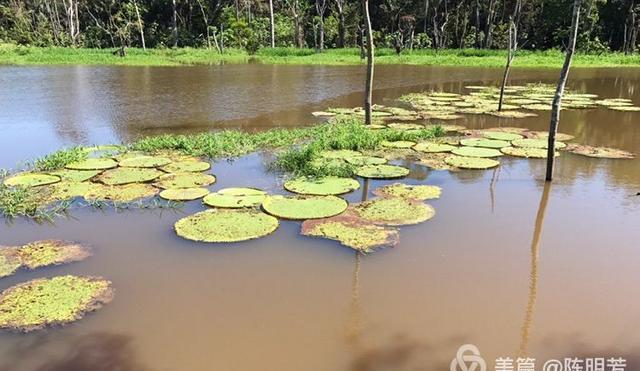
{"points": [[45, 302]]}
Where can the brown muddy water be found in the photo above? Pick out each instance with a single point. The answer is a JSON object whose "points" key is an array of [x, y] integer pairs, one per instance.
{"points": [[508, 265]]}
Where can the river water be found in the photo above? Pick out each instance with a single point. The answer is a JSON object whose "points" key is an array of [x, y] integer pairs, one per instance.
{"points": [[511, 266]]}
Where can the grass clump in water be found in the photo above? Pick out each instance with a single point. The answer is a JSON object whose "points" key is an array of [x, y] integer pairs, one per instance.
{"points": [[59, 159]]}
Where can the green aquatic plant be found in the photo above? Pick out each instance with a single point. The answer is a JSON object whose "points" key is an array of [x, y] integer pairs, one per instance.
{"points": [[433, 147], [561, 137], [536, 143], [128, 175], [474, 163], [382, 171], [59, 159], [414, 192], [120, 193], [436, 161], [226, 225], [352, 232], [512, 114], [321, 186], [398, 144], [485, 143], [598, 152], [45, 302], [366, 160], [476, 152], [186, 167], [526, 152], [75, 175], [65, 190], [304, 207], [184, 180], [144, 161], [501, 135], [393, 211], [235, 198], [92, 164], [105, 150], [9, 261], [30, 180], [51, 252], [184, 194]]}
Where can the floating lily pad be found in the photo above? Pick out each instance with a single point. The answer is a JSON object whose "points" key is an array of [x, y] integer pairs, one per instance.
{"points": [[352, 232], [127, 175], [501, 135], [9, 261], [625, 108], [184, 180], [537, 107], [321, 186], [75, 175], [51, 252], [561, 137], [476, 152], [93, 164], [433, 147], [184, 194], [122, 193], [304, 207], [186, 167], [393, 211], [512, 114], [398, 144], [235, 198], [414, 192], [66, 190], [485, 143], [366, 160], [476, 163], [436, 161], [526, 152], [536, 143], [226, 225], [145, 161], [382, 171], [108, 150], [599, 152], [44, 302], [340, 154], [404, 126], [31, 180]]}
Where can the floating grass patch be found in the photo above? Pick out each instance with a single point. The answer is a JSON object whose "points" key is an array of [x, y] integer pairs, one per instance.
{"points": [[414, 192], [476, 152], [128, 175], [474, 163], [394, 211], [226, 225], [352, 232], [382, 171], [598, 152], [31, 180], [433, 147], [45, 302], [501, 135], [485, 143], [145, 161], [184, 180], [526, 152], [9, 261], [75, 175], [121, 193], [536, 143], [235, 198], [93, 164], [321, 186], [304, 207], [51, 252], [184, 194], [186, 167]]}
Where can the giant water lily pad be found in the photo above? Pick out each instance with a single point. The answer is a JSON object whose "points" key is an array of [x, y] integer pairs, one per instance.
{"points": [[145, 161], [31, 180], [485, 143], [476, 152], [9, 261], [127, 175], [66, 190], [382, 171], [121, 193], [352, 232], [405, 126], [226, 225], [436, 161], [561, 137], [599, 152], [501, 135], [512, 114], [45, 302], [184, 180], [526, 152], [414, 192], [184, 194], [304, 207], [477, 163], [75, 175], [398, 144], [536, 143], [433, 147], [537, 107], [186, 167], [93, 164], [321, 186], [366, 160], [340, 154], [51, 252], [625, 108], [107, 150], [393, 211], [236, 198]]}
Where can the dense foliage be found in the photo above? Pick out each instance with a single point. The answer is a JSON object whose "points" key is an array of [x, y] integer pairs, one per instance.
{"points": [[401, 24]]}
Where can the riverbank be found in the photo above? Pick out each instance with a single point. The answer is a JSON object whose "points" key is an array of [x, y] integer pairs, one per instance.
{"points": [[21, 55]]}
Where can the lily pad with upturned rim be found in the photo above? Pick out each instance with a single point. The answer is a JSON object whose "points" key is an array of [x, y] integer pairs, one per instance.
{"points": [[352, 232], [304, 207], [393, 211], [51, 252], [184, 180], [321, 186], [121, 193], [75, 175], [128, 175], [476, 152], [184, 194], [501, 135], [226, 225], [186, 167], [30, 180], [561, 137], [414, 192], [93, 164], [382, 171], [433, 147], [436, 161], [66, 190], [474, 163], [366, 160], [235, 198], [485, 143], [526, 152], [398, 144], [536, 143], [598, 152]]}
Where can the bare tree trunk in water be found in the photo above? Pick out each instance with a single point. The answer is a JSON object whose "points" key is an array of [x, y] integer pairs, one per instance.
{"points": [[175, 24], [272, 25], [144, 45], [557, 99], [369, 84], [513, 47]]}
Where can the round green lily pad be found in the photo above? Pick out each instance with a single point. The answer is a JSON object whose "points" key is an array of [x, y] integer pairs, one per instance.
{"points": [[93, 164], [226, 225], [599, 152], [121, 193], [535, 143], [184, 194], [340, 154], [352, 232], [393, 211], [485, 143], [366, 160], [44, 302], [30, 180], [304, 207], [186, 167], [561, 137], [433, 147], [526, 152], [51, 252], [9, 261], [145, 161], [236, 198], [382, 171], [127, 175], [501, 135], [75, 175], [436, 161], [512, 114], [398, 144], [405, 126], [321, 186], [476, 152], [414, 192], [66, 190], [477, 163], [537, 107], [184, 180]]}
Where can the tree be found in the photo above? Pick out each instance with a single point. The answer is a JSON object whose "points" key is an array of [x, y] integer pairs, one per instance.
{"points": [[175, 23], [321, 7], [272, 27], [341, 23], [369, 82], [140, 27], [296, 13], [557, 99], [513, 46]]}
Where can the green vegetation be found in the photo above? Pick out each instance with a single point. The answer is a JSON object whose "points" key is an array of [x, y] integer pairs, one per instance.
{"points": [[352, 232], [393, 211], [226, 225], [304, 207], [414, 192], [235, 198], [51, 252]]}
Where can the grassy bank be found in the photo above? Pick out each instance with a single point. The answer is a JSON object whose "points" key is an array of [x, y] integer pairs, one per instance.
{"points": [[20, 55]]}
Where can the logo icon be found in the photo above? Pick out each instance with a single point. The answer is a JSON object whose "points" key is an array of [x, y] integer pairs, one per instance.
{"points": [[468, 359]]}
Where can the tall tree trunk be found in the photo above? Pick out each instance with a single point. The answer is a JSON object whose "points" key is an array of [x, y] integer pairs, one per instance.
{"points": [[513, 47], [321, 7], [341, 28], [368, 93], [175, 24], [426, 15], [478, 41], [140, 27], [488, 39], [272, 26], [557, 99]]}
